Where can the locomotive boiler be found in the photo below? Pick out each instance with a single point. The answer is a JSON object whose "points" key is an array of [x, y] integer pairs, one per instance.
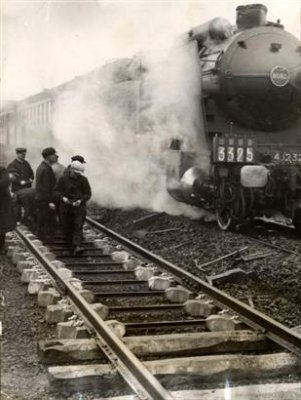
{"points": [[249, 163]]}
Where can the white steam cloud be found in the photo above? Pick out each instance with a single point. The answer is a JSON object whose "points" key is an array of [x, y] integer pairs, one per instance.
{"points": [[124, 128]]}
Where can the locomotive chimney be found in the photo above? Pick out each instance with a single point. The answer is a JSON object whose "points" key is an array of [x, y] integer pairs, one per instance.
{"points": [[250, 16]]}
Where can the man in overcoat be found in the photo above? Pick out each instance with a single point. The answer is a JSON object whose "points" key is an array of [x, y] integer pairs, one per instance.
{"points": [[24, 177], [45, 183], [73, 191], [7, 217], [21, 177]]}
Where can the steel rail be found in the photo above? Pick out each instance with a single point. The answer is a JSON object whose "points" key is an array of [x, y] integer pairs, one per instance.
{"points": [[271, 245], [274, 330], [135, 373]]}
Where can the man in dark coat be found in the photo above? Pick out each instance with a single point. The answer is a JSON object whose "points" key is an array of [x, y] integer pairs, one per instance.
{"points": [[45, 182], [7, 217], [21, 177], [24, 176], [73, 190]]}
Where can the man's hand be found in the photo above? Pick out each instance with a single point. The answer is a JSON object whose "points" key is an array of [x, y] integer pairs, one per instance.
{"points": [[77, 203], [22, 183], [52, 206], [66, 200]]}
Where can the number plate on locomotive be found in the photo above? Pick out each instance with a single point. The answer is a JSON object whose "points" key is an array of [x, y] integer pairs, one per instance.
{"points": [[235, 154], [287, 157]]}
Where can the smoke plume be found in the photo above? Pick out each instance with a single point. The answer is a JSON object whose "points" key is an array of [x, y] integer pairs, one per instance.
{"points": [[122, 119]]}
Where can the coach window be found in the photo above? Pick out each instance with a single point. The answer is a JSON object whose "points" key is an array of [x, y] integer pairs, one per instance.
{"points": [[45, 113], [50, 110], [42, 114], [38, 114]]}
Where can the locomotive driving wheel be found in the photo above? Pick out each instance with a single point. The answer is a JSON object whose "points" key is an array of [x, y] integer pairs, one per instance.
{"points": [[224, 218], [224, 199], [230, 206]]}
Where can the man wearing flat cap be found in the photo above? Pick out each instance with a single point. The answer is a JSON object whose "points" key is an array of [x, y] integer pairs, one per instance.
{"points": [[75, 158], [21, 177], [78, 158], [45, 182], [21, 170], [73, 191]]}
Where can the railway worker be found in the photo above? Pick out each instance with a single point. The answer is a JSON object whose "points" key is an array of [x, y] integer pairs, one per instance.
{"points": [[24, 177], [21, 175], [76, 158], [73, 190], [82, 161], [7, 217], [44, 196]]}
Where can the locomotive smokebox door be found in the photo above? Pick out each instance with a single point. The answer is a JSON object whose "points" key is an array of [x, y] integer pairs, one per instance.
{"points": [[259, 79]]}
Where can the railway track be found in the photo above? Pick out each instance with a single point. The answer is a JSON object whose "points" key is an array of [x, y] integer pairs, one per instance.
{"points": [[267, 272], [160, 302]]}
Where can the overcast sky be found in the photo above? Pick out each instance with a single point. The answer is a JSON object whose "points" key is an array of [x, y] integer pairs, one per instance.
{"points": [[46, 42]]}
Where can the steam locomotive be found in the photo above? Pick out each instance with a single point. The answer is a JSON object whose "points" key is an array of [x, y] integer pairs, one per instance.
{"points": [[249, 159], [246, 159]]}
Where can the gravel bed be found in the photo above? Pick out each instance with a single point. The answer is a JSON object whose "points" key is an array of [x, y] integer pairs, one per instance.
{"points": [[23, 377], [197, 242]]}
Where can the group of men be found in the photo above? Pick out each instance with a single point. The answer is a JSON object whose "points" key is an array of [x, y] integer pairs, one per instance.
{"points": [[58, 197]]}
